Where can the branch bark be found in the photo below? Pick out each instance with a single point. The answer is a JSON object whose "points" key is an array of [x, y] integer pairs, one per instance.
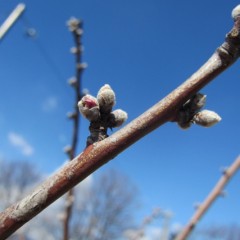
{"points": [[101, 152], [213, 195]]}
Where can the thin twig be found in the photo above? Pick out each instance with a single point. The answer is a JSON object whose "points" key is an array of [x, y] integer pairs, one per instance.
{"points": [[101, 152], [213, 195], [75, 26]]}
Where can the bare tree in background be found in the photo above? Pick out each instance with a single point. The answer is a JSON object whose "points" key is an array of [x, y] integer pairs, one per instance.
{"points": [[218, 232], [107, 210], [14, 182], [75, 27], [103, 209]]}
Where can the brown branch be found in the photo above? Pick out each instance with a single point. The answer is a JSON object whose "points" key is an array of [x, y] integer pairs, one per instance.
{"points": [[213, 195], [75, 26], [101, 152]]}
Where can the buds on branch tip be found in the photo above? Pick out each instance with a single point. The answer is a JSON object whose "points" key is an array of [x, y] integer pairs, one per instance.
{"points": [[99, 112], [73, 24], [236, 12]]}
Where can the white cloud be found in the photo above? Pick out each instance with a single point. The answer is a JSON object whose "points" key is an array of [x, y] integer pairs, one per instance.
{"points": [[18, 141], [50, 104]]}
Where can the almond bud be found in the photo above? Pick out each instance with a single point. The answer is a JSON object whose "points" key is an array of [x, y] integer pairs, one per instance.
{"points": [[106, 98], [73, 82], [206, 118], [73, 24], [89, 107], [117, 118], [236, 12]]}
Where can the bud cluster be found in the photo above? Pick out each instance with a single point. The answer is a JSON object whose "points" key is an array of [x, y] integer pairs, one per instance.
{"points": [[74, 25], [98, 110], [191, 112]]}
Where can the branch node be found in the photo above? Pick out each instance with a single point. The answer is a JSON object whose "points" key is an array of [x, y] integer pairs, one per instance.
{"points": [[190, 113]]}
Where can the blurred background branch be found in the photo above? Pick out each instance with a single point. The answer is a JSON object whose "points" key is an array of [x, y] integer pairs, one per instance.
{"points": [[216, 192], [75, 27]]}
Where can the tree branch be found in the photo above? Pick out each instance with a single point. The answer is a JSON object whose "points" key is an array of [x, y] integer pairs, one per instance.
{"points": [[75, 26], [216, 192], [101, 152]]}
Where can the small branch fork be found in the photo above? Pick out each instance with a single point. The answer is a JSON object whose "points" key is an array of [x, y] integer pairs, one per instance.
{"points": [[97, 154], [213, 195]]}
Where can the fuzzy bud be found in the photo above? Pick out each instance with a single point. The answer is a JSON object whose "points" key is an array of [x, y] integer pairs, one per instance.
{"points": [[236, 12], [106, 98], [85, 91], [206, 118], [117, 118], [74, 50], [73, 82], [79, 31], [82, 66], [89, 107], [73, 24]]}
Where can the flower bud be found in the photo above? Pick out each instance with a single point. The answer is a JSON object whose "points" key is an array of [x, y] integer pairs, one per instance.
{"points": [[236, 12], [89, 107], [206, 118], [117, 118], [73, 82], [74, 50], [81, 66], [106, 98], [73, 24]]}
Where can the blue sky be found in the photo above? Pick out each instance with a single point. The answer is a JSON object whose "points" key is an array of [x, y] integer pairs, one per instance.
{"points": [[143, 49]]}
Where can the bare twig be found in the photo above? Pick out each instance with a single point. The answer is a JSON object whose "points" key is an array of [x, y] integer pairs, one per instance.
{"points": [[101, 152], [75, 26], [213, 195]]}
